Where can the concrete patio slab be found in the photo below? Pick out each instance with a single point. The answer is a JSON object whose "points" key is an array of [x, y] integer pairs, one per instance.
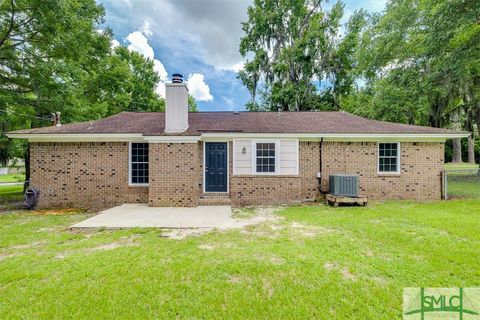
{"points": [[143, 216]]}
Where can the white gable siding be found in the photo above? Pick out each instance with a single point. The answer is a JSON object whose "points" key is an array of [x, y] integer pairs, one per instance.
{"points": [[244, 163], [289, 157]]}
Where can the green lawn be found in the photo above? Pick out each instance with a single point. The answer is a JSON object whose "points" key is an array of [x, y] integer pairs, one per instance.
{"points": [[313, 262], [463, 180], [464, 189], [10, 194], [12, 177], [459, 166]]}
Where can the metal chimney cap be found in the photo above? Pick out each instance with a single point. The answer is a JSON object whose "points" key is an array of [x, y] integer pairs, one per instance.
{"points": [[177, 78]]}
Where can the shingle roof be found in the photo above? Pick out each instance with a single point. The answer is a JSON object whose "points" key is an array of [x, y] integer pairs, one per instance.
{"points": [[153, 124]]}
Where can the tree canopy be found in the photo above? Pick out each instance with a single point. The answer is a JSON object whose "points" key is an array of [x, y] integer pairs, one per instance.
{"points": [[416, 62], [53, 57]]}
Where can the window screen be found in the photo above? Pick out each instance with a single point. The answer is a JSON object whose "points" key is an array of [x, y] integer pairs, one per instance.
{"points": [[265, 157], [388, 157], [139, 163]]}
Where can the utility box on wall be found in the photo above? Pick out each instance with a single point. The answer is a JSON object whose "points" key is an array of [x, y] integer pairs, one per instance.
{"points": [[346, 185]]}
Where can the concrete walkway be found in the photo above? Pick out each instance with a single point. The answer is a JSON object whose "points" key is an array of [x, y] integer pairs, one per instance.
{"points": [[143, 216]]}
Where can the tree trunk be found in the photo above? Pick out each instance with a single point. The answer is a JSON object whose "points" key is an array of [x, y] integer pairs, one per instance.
{"points": [[471, 149], [469, 127], [457, 150]]}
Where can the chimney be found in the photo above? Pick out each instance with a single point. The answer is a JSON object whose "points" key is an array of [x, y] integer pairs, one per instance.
{"points": [[56, 119], [176, 100]]}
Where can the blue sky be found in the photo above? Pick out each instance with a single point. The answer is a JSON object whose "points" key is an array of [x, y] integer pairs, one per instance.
{"points": [[197, 38]]}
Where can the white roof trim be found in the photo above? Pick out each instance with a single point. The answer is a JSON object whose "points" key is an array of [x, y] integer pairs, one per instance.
{"points": [[77, 137], [132, 137], [172, 139], [341, 136]]}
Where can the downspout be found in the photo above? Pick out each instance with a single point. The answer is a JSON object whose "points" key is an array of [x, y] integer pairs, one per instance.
{"points": [[320, 173]]}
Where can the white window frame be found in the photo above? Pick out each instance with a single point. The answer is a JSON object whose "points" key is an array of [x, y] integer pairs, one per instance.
{"points": [[254, 157], [398, 159], [130, 183]]}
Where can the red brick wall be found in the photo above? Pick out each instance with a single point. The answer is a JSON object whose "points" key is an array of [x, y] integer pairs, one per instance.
{"points": [[260, 190], [174, 172], [83, 175], [95, 175], [421, 165]]}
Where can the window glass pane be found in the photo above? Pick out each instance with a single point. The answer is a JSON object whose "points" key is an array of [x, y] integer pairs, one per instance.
{"points": [[265, 157], [388, 157], [139, 163]]}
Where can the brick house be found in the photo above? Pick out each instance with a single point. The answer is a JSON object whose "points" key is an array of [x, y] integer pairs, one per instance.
{"points": [[178, 158]]}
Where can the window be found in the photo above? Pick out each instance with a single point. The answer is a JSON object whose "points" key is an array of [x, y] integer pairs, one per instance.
{"points": [[265, 157], [388, 158], [139, 163]]}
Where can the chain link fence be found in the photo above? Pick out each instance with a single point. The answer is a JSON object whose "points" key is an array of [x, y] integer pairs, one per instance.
{"points": [[461, 183]]}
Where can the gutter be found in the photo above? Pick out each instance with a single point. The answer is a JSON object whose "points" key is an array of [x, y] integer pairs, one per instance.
{"points": [[139, 137]]}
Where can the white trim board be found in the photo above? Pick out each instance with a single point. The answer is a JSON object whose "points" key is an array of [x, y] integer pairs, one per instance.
{"points": [[130, 184], [79, 137], [222, 137], [338, 136], [399, 155], [254, 158]]}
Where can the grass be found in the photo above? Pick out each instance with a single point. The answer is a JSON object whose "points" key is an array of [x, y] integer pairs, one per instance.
{"points": [[12, 177], [11, 194], [313, 262], [459, 166], [463, 180], [464, 189]]}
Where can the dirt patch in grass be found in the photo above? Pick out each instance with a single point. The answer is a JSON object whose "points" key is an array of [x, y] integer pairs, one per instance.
{"points": [[277, 228], [242, 219], [344, 271], [122, 242], [4, 256], [267, 288], [236, 279], [309, 230], [206, 247], [271, 259], [47, 230], [28, 245], [111, 246], [55, 212], [179, 234]]}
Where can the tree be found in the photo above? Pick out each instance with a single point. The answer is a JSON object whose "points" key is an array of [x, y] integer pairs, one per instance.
{"points": [[423, 54], [53, 58], [289, 44], [341, 69], [192, 104]]}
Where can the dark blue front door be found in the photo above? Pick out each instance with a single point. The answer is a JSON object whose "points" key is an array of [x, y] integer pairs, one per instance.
{"points": [[216, 167]]}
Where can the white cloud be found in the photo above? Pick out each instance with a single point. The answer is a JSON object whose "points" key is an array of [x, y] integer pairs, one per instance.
{"points": [[228, 101], [114, 44], [160, 69], [209, 29], [198, 88], [139, 43], [146, 29], [160, 89]]}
